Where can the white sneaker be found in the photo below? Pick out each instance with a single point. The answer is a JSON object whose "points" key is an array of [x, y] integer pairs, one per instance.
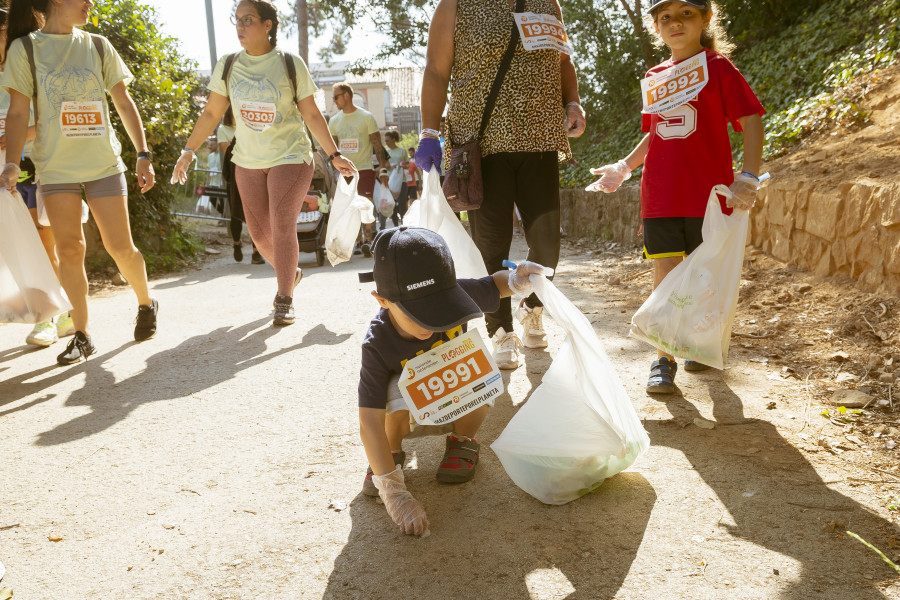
{"points": [[533, 334], [64, 325], [506, 349], [43, 334]]}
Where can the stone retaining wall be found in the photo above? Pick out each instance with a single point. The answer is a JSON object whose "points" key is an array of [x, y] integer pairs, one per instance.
{"points": [[851, 230]]}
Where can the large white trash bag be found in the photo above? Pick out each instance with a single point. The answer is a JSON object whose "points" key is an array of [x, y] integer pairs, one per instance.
{"points": [[395, 181], [384, 201], [432, 212], [579, 427], [691, 312], [29, 290], [348, 212]]}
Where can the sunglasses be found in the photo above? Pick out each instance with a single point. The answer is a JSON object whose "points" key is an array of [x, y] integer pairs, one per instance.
{"points": [[336, 96]]}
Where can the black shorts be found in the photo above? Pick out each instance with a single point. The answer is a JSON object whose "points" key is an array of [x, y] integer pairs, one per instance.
{"points": [[672, 236]]}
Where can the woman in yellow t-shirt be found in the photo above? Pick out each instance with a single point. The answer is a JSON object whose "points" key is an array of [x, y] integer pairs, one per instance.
{"points": [[75, 147], [273, 155]]}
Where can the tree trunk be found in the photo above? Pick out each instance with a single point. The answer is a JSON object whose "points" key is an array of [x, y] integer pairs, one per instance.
{"points": [[634, 14], [303, 30]]}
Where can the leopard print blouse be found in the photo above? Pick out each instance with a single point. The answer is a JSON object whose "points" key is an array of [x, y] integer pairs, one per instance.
{"points": [[529, 115]]}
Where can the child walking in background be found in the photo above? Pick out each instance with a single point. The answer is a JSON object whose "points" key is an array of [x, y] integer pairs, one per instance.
{"points": [[423, 305], [687, 150]]}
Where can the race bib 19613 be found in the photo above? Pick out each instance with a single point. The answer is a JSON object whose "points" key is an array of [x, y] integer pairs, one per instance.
{"points": [[349, 145], [450, 380], [676, 86], [542, 32], [82, 119], [257, 116]]}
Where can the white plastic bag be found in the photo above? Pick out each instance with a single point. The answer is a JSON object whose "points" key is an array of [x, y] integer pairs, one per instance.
{"points": [[395, 181], [691, 312], [44, 220], [29, 290], [348, 212], [579, 427], [432, 212], [384, 200]]}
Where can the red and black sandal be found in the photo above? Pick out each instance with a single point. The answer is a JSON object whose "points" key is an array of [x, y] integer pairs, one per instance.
{"points": [[369, 488], [458, 464]]}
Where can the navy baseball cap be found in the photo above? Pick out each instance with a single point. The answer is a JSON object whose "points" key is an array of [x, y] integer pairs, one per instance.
{"points": [[694, 3], [413, 268]]}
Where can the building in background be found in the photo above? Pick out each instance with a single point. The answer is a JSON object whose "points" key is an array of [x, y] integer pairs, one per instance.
{"points": [[391, 95]]}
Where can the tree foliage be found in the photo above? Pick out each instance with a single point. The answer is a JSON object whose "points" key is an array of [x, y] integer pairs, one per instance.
{"points": [[165, 90]]}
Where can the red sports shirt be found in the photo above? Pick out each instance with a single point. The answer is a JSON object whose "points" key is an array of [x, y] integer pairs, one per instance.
{"points": [[689, 149]]}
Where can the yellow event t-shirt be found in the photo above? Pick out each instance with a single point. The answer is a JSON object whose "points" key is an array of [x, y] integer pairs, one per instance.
{"points": [[353, 131], [269, 128], [75, 139], [224, 134]]}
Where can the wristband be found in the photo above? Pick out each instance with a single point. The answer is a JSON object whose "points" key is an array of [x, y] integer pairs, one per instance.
{"points": [[432, 133], [749, 174], [576, 103]]}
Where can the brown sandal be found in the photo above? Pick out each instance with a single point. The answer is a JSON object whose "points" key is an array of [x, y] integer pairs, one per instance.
{"points": [[458, 464]]}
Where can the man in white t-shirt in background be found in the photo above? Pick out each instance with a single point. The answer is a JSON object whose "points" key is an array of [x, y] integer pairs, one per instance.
{"points": [[357, 134]]}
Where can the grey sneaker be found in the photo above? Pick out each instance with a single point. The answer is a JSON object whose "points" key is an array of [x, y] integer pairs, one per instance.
{"points": [[284, 311]]}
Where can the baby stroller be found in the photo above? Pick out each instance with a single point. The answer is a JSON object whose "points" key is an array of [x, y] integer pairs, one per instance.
{"points": [[311, 225]]}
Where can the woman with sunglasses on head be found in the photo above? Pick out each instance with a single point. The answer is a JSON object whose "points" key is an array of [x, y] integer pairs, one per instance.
{"points": [[67, 73], [273, 155]]}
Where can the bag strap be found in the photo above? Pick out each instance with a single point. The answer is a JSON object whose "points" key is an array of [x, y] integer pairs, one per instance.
{"points": [[501, 73], [291, 70], [226, 72], [29, 53]]}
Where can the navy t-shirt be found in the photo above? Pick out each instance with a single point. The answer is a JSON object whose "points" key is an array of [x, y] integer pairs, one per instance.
{"points": [[384, 351]]}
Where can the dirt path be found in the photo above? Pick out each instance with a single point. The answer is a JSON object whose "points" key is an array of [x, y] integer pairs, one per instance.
{"points": [[221, 460]]}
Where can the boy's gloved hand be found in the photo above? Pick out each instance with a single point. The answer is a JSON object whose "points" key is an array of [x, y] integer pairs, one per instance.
{"points": [[406, 511], [612, 177], [520, 278], [744, 189], [429, 154]]}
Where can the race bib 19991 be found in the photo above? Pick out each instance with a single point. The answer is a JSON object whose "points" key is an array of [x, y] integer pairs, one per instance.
{"points": [[82, 119], [676, 86], [258, 116], [450, 380]]}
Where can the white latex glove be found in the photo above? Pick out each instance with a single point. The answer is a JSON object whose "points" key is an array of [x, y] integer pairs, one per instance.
{"points": [[406, 511], [612, 176], [520, 278], [179, 173], [744, 189], [9, 177]]}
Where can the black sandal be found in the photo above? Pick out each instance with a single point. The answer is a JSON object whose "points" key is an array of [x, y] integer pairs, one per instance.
{"points": [[458, 464], [662, 376]]}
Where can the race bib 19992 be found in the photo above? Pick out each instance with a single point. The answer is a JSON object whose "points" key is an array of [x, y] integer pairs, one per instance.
{"points": [[677, 85], [82, 119], [450, 380]]}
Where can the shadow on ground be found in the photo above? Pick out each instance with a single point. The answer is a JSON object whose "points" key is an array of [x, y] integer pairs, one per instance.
{"points": [[488, 537], [198, 363]]}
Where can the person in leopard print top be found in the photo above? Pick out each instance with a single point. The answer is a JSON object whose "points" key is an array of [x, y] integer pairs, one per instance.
{"points": [[537, 109]]}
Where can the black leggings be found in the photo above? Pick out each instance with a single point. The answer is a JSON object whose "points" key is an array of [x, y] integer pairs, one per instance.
{"points": [[530, 181]]}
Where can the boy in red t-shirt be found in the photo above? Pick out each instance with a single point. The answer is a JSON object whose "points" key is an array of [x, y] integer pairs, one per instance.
{"points": [[687, 151], [412, 177]]}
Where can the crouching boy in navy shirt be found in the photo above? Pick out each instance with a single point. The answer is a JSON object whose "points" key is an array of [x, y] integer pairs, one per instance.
{"points": [[423, 305]]}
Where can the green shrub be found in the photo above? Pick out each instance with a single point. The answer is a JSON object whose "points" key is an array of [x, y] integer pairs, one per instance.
{"points": [[165, 90]]}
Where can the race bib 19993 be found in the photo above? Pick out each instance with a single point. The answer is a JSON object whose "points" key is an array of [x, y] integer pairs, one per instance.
{"points": [[82, 119], [677, 85], [450, 380]]}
